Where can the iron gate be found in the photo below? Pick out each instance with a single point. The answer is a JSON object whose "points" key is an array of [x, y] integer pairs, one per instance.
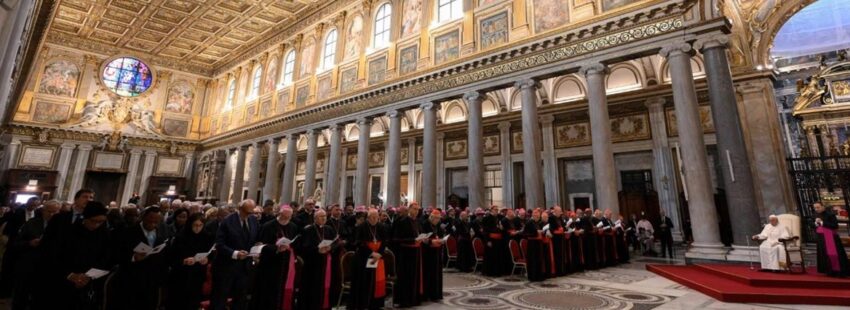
{"points": [[825, 179]]}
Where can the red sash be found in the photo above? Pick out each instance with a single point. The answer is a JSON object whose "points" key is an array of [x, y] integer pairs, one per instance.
{"points": [[829, 244], [495, 236], [380, 274], [289, 284], [548, 242], [326, 304]]}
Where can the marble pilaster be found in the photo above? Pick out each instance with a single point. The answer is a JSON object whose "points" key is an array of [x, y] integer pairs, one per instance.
{"points": [[239, 173], [227, 178], [332, 183], [130, 179], [254, 174], [507, 164], [411, 170], [147, 171], [694, 158], [67, 149], [288, 183], [312, 157], [664, 175], [550, 163], [271, 181], [80, 166]]}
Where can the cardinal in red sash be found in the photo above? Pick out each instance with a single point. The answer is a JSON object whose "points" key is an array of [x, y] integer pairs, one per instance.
{"points": [[368, 272]]}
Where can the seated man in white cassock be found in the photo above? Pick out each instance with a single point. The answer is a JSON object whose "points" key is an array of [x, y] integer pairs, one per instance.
{"points": [[771, 250]]}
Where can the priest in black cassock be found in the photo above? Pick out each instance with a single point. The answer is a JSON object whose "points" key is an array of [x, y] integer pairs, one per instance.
{"points": [[368, 282], [494, 243], [621, 241], [186, 280], [537, 255], [461, 231], [85, 246], [832, 259], [408, 288], [609, 243], [588, 240], [432, 258], [141, 275], [559, 244], [575, 235], [319, 264], [275, 274]]}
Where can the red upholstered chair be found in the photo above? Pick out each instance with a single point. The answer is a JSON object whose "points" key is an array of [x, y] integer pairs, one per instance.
{"points": [[478, 248], [516, 257], [451, 250], [523, 244]]}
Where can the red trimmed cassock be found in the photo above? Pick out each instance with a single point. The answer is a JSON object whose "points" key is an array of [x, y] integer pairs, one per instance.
{"points": [[537, 257], [368, 285], [559, 245], [408, 287], [318, 286], [494, 243], [274, 286], [432, 259]]}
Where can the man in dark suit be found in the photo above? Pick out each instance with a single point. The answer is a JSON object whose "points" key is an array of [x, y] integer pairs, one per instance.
{"points": [[14, 221], [140, 276], [236, 235], [28, 241]]}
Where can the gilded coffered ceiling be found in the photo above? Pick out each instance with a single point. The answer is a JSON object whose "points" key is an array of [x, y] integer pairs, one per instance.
{"points": [[192, 35]]}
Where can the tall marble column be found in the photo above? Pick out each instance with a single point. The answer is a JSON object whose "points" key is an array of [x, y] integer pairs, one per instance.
{"points": [[271, 181], [239, 173], [604, 169], [14, 147], [664, 176], [147, 171], [475, 150], [550, 163], [312, 155], [80, 166], [507, 164], [130, 179], [429, 155], [187, 171], [288, 183], [227, 177], [334, 158], [411, 170], [62, 166], [254, 175], [534, 197], [361, 179], [734, 160], [694, 158], [394, 160]]}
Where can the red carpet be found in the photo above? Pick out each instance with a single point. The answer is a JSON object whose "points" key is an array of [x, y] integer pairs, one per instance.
{"points": [[736, 283]]}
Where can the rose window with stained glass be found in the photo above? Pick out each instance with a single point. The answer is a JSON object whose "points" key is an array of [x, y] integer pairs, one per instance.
{"points": [[127, 76]]}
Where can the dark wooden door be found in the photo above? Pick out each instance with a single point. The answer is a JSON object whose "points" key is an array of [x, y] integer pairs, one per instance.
{"points": [[104, 185]]}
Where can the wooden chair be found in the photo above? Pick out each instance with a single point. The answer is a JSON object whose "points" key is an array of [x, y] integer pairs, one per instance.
{"points": [[478, 249], [516, 257], [451, 251], [345, 275], [389, 269], [793, 246]]}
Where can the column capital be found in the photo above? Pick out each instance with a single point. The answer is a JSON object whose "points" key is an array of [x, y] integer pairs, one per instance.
{"points": [[150, 153], [364, 121], [712, 41], [473, 96], [71, 146], [292, 136], [655, 102], [310, 133], [337, 127], [411, 140], [82, 147], [505, 125], [749, 88], [440, 135], [546, 119], [189, 156], [136, 152], [593, 68], [526, 83], [243, 148], [394, 114], [430, 106], [275, 140], [676, 48]]}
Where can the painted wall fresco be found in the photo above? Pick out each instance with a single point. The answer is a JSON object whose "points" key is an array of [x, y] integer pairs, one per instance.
{"points": [[377, 70], [613, 4], [353, 38], [181, 96], [411, 17], [271, 77], [408, 58], [550, 14], [175, 127], [59, 78], [447, 47], [301, 96], [306, 62], [51, 112], [494, 30], [348, 80], [324, 88]]}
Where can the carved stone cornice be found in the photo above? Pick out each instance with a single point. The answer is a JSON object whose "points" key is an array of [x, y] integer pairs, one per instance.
{"points": [[453, 75], [95, 137]]}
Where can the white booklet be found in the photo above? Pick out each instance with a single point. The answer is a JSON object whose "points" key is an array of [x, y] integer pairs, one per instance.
{"points": [[327, 243], [95, 273], [372, 263], [256, 250], [423, 236], [446, 238], [144, 248], [200, 256], [286, 241], [545, 228], [599, 225]]}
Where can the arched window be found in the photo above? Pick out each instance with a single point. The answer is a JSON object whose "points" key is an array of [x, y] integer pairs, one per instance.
{"points": [[231, 93], [288, 68], [449, 10], [255, 82], [329, 52], [383, 21]]}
